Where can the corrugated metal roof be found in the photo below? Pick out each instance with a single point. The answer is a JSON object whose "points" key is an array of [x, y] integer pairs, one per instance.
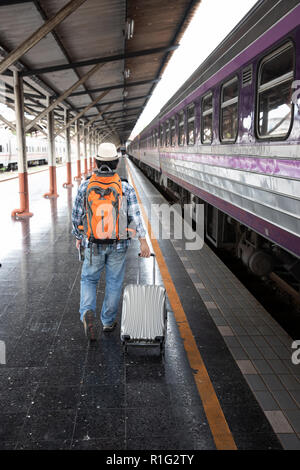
{"points": [[95, 30]]}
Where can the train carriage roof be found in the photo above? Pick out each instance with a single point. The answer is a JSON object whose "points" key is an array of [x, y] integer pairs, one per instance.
{"points": [[258, 20]]}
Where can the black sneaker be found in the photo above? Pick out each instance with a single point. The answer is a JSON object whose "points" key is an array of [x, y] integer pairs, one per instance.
{"points": [[89, 325], [110, 327]]}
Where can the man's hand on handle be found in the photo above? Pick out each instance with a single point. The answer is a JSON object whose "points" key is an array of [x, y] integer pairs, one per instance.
{"points": [[145, 250]]}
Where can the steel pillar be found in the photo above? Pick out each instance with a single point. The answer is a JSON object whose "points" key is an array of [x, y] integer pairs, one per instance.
{"points": [[77, 131], [85, 151], [90, 151], [51, 155], [68, 183], [21, 149], [94, 152]]}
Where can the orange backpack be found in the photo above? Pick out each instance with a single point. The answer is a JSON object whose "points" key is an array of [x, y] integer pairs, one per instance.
{"points": [[103, 203]]}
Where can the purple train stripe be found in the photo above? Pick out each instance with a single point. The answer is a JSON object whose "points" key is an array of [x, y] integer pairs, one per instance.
{"points": [[281, 237], [277, 32], [267, 166]]}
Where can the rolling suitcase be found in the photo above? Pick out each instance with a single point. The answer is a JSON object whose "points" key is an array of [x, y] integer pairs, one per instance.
{"points": [[144, 314]]}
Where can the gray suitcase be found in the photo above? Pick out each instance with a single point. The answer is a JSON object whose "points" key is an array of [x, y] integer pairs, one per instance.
{"points": [[144, 314]]}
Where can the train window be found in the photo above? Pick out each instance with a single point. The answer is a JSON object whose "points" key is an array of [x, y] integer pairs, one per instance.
{"points": [[181, 128], [191, 125], [274, 105], [173, 131], [229, 110], [161, 136], [207, 119], [1, 149], [167, 133]]}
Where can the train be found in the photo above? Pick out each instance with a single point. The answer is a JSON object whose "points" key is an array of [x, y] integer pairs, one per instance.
{"points": [[229, 139], [36, 147]]}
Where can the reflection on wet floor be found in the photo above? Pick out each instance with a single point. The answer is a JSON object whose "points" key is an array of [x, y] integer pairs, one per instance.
{"points": [[59, 393], [56, 392]]}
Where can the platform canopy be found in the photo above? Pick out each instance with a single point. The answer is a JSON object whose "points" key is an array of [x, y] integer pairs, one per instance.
{"points": [[118, 48]]}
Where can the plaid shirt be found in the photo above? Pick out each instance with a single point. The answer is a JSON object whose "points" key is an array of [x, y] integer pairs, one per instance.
{"points": [[133, 212]]}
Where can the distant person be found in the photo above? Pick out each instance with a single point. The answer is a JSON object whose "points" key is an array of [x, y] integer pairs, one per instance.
{"points": [[102, 246]]}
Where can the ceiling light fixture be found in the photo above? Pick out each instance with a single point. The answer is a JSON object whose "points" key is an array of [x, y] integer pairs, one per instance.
{"points": [[129, 28], [127, 73]]}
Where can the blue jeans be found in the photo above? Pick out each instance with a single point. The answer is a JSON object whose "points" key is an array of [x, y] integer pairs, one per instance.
{"points": [[114, 262]]}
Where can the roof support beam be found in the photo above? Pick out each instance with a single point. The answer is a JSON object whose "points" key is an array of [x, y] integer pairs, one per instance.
{"points": [[79, 115], [119, 119], [100, 126], [88, 124], [85, 63], [123, 114], [65, 94], [57, 39], [98, 115], [11, 104], [115, 87], [103, 136], [124, 100], [127, 125], [40, 34], [10, 91], [8, 123], [124, 110], [123, 117], [5, 3]]}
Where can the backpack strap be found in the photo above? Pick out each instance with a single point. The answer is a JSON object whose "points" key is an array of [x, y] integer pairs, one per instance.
{"points": [[105, 172]]}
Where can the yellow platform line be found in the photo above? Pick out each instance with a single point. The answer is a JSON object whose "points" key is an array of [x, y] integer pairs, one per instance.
{"points": [[214, 413]]}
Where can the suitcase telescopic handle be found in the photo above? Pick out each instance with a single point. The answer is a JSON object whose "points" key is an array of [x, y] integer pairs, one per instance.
{"points": [[138, 274]]}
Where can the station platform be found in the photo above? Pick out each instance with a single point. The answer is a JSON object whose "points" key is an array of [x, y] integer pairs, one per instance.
{"points": [[227, 381]]}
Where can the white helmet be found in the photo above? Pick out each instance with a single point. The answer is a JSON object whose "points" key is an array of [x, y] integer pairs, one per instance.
{"points": [[107, 151]]}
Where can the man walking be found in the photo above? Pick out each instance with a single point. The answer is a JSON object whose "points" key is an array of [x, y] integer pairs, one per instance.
{"points": [[109, 255]]}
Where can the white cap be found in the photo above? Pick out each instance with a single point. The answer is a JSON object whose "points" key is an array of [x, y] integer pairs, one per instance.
{"points": [[107, 151]]}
